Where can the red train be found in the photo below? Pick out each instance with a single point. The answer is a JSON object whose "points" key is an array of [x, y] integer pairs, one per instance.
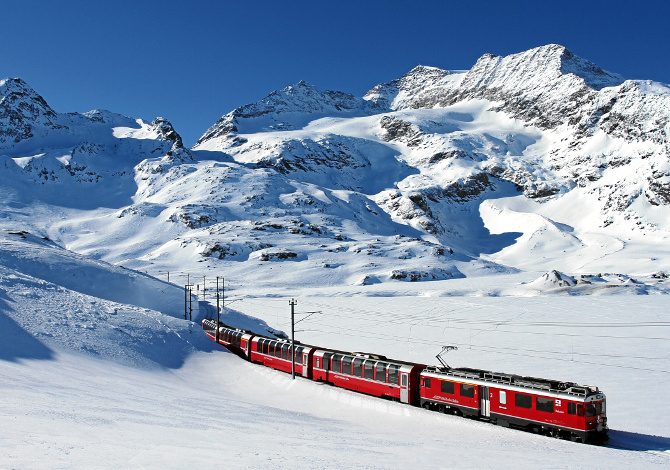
{"points": [[558, 409]]}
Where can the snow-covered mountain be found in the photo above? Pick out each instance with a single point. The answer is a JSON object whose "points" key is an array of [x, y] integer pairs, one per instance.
{"points": [[539, 160]]}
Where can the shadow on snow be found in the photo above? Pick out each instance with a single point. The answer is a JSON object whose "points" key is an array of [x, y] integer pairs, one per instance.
{"points": [[15, 342]]}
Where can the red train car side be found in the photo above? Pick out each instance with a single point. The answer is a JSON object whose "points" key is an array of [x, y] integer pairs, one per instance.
{"points": [[369, 374], [236, 340], [560, 409], [276, 353]]}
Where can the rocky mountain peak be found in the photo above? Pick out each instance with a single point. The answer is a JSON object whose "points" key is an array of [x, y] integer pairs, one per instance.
{"points": [[535, 68], [17, 95], [418, 81], [284, 109], [166, 131], [21, 108]]}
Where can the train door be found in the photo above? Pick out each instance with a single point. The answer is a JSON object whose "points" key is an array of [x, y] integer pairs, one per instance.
{"points": [[305, 368], [485, 404], [404, 392]]}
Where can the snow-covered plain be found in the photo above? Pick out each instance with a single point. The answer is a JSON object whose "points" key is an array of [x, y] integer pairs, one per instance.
{"points": [[90, 383]]}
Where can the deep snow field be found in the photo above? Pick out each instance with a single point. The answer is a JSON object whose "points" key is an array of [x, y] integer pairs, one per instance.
{"points": [[90, 382]]}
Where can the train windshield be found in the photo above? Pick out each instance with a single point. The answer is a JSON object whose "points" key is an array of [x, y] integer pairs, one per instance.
{"points": [[593, 409]]}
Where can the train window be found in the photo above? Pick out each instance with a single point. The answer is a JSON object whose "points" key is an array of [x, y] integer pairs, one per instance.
{"points": [[337, 363], [580, 410], [358, 367], [447, 387], [318, 363], [369, 369], [326, 361], [393, 374], [592, 409], [426, 383], [467, 390], [278, 349], [298, 354], [346, 365], [403, 380], [544, 404], [286, 352], [503, 397], [259, 345], [523, 401], [572, 408], [380, 372]]}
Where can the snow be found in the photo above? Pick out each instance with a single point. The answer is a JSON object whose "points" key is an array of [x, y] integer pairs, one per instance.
{"points": [[517, 210], [91, 409]]}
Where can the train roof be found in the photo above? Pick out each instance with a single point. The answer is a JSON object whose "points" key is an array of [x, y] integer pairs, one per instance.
{"points": [[531, 383], [466, 373], [362, 355]]}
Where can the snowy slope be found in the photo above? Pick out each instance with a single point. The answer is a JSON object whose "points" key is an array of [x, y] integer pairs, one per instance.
{"points": [[89, 381], [132, 390]]}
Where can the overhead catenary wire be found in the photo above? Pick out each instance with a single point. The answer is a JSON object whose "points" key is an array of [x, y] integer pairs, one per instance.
{"points": [[542, 333], [506, 352], [371, 315], [425, 341], [469, 321]]}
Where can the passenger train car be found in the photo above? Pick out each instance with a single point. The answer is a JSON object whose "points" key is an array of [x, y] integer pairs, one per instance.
{"points": [[554, 408]]}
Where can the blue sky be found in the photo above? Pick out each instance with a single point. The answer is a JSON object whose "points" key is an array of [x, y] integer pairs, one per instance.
{"points": [[194, 61]]}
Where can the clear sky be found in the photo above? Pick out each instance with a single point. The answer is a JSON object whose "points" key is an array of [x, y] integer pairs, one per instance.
{"points": [[192, 61]]}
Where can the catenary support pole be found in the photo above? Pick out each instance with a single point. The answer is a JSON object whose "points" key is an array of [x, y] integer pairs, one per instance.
{"points": [[218, 309], [292, 303], [190, 303], [185, 302]]}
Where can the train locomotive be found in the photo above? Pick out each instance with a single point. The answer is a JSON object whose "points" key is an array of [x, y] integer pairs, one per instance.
{"points": [[558, 409]]}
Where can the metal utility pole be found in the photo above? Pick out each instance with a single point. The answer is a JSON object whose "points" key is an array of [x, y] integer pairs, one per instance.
{"points": [[185, 297], [204, 288], [292, 303], [218, 310], [190, 303]]}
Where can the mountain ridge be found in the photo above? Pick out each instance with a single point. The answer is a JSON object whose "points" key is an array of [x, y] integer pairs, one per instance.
{"points": [[408, 182]]}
